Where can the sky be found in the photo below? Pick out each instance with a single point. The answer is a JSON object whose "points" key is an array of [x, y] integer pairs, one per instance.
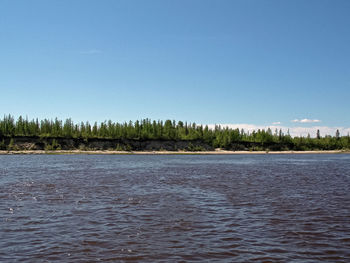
{"points": [[251, 63]]}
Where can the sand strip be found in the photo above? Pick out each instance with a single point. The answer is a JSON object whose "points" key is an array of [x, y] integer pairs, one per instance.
{"points": [[217, 152]]}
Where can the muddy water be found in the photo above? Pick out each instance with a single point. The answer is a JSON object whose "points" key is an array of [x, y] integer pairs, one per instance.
{"points": [[133, 208]]}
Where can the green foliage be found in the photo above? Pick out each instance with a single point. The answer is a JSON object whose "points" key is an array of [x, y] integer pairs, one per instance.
{"points": [[2, 145], [195, 148], [147, 129], [12, 146], [54, 145], [122, 148], [127, 148]]}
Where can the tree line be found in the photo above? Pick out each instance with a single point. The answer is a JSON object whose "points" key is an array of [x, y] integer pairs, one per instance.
{"points": [[146, 129]]}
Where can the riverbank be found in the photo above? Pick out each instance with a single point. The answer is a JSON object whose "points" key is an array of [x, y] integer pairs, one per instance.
{"points": [[57, 145], [216, 152]]}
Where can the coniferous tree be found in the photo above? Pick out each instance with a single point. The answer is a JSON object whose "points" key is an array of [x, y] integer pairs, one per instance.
{"points": [[337, 134], [146, 129], [318, 136]]}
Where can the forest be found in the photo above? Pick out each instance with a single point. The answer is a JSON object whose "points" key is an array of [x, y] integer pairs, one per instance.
{"points": [[52, 131]]}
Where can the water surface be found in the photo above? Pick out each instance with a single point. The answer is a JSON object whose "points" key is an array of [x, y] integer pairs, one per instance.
{"points": [[171, 208]]}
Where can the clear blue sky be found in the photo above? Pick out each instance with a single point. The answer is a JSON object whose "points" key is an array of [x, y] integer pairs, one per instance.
{"points": [[215, 61]]}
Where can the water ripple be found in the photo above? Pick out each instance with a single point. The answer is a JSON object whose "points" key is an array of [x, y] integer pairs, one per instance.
{"points": [[241, 208]]}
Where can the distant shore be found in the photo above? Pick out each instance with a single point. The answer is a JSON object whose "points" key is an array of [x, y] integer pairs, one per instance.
{"points": [[216, 152]]}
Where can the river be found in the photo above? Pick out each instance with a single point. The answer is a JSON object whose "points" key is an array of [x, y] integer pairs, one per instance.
{"points": [[175, 208]]}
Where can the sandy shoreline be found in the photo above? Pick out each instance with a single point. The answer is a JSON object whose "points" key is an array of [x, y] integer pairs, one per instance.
{"points": [[217, 152]]}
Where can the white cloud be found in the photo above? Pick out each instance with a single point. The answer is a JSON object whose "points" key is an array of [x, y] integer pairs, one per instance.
{"points": [[305, 121], [91, 52], [293, 131], [276, 123]]}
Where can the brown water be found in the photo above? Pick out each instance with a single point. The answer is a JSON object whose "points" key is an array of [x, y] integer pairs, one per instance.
{"points": [[232, 208]]}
